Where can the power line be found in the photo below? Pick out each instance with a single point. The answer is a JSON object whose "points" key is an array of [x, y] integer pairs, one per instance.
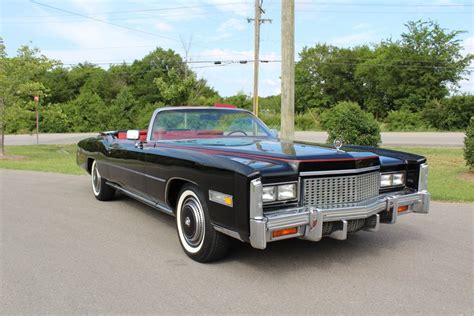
{"points": [[110, 23], [102, 21], [54, 18], [382, 12], [141, 10], [220, 63], [358, 4]]}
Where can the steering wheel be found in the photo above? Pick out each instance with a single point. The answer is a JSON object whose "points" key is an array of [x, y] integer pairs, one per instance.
{"points": [[237, 131]]}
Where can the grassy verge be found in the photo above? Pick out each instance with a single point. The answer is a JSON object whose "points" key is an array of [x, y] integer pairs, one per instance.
{"points": [[50, 158], [449, 178]]}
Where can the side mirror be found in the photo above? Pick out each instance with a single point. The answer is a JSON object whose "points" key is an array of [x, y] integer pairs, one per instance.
{"points": [[274, 133], [133, 134]]}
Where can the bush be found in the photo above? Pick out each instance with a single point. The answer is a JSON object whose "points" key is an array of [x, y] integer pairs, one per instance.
{"points": [[451, 113], [54, 120], [469, 145], [307, 122], [348, 122], [272, 120], [404, 120]]}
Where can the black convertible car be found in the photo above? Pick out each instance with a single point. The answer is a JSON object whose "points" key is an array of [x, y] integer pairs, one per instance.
{"points": [[222, 173]]}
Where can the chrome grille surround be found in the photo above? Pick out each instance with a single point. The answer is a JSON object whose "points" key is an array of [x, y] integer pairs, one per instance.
{"points": [[341, 191]]}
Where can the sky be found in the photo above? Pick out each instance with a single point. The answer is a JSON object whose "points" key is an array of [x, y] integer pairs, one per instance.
{"points": [[116, 31]]}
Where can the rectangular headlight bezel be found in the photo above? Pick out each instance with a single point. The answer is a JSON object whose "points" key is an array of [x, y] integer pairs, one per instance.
{"points": [[279, 189], [289, 190], [392, 179], [269, 194]]}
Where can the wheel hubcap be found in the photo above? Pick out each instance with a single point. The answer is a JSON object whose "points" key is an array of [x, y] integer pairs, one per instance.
{"points": [[192, 219], [187, 221], [96, 180]]}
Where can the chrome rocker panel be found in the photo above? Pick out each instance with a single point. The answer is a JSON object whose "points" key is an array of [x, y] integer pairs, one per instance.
{"points": [[309, 220]]}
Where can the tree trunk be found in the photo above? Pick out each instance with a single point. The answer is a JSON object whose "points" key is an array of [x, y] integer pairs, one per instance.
{"points": [[2, 128], [2, 141]]}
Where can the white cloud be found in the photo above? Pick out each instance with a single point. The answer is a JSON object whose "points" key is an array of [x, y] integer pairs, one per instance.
{"points": [[362, 26], [232, 24], [229, 54], [83, 36], [467, 85], [468, 45], [163, 26], [239, 77], [271, 86], [244, 9], [354, 39]]}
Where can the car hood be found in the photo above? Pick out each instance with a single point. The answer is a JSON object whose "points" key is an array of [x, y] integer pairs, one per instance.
{"points": [[269, 153]]}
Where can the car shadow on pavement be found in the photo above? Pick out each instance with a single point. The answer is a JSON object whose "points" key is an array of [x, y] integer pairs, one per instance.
{"points": [[290, 254]]}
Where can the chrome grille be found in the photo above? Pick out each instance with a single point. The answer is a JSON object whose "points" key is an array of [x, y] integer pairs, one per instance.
{"points": [[340, 191]]}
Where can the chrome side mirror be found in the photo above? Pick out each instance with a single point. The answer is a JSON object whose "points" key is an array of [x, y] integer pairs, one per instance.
{"points": [[274, 133], [133, 134]]}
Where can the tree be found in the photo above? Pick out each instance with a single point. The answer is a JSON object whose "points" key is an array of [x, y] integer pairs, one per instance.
{"points": [[3, 79], [451, 113], [240, 100], [19, 82], [148, 74], [87, 112], [469, 144], [123, 111], [325, 75], [409, 72]]}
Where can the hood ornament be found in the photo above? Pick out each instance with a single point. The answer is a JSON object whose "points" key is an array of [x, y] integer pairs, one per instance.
{"points": [[338, 144]]}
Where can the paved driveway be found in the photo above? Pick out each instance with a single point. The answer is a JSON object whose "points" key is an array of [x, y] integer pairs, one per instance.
{"points": [[388, 139], [64, 252]]}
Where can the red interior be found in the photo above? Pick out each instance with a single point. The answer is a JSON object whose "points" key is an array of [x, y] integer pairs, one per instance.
{"points": [[173, 134], [185, 134], [123, 135]]}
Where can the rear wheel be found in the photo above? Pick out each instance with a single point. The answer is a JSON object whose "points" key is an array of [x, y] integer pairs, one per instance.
{"points": [[102, 191], [200, 241]]}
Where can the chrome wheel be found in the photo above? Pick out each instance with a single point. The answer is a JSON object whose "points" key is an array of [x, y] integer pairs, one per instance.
{"points": [[191, 222], [96, 179]]}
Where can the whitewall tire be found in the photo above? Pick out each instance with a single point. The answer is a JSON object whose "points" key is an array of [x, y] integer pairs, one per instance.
{"points": [[102, 191], [200, 241]]}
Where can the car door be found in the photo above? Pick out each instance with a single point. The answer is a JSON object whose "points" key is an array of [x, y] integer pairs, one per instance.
{"points": [[156, 174], [127, 166]]}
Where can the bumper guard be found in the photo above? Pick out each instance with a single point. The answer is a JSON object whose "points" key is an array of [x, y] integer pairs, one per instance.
{"points": [[309, 220]]}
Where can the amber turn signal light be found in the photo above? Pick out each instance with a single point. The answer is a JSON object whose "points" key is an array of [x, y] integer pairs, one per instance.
{"points": [[284, 232], [402, 209]]}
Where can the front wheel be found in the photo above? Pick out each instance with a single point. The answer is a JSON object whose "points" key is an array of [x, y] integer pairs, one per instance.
{"points": [[102, 191], [200, 241]]}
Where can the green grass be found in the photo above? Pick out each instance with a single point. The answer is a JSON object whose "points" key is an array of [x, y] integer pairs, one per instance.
{"points": [[49, 158], [449, 178], [448, 174]]}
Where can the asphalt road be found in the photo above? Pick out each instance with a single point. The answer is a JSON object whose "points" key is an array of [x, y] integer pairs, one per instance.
{"points": [[427, 139], [64, 252]]}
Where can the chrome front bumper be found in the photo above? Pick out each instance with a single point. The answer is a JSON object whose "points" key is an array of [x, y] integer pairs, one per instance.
{"points": [[309, 220]]}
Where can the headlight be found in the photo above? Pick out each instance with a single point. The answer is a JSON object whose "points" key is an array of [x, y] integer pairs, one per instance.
{"points": [[269, 194], [392, 179], [287, 191], [282, 192]]}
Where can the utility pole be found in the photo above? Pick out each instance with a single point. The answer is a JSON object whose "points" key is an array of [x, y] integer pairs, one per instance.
{"points": [[256, 59], [287, 69]]}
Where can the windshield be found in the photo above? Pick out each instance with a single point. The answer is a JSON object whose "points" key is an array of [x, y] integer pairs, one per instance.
{"points": [[204, 123]]}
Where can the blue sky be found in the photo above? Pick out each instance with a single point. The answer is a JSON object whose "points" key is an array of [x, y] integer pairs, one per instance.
{"points": [[216, 30]]}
